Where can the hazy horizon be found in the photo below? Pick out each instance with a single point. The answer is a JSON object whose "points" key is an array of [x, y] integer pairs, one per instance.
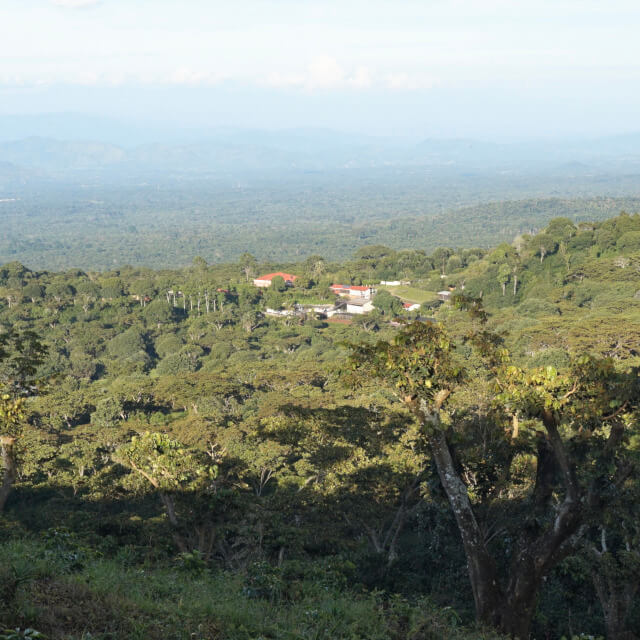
{"points": [[69, 126], [498, 70]]}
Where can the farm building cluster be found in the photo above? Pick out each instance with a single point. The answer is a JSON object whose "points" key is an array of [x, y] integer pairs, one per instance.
{"points": [[350, 299]]}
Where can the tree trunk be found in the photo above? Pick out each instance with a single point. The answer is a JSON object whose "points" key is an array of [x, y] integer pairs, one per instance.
{"points": [[487, 594], [615, 599], [170, 508], [516, 617], [387, 545], [510, 609], [615, 613], [521, 596], [10, 469]]}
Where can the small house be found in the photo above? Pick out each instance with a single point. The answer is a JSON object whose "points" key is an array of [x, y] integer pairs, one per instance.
{"points": [[353, 291], [265, 281], [340, 289], [363, 292], [359, 307]]}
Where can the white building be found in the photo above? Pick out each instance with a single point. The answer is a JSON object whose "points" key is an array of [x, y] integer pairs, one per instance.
{"points": [[359, 306], [353, 291]]}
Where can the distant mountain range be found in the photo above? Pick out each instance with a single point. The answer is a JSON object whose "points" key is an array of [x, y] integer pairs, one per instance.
{"points": [[68, 144]]}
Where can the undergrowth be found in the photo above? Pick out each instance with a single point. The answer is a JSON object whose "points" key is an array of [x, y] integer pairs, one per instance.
{"points": [[65, 591]]}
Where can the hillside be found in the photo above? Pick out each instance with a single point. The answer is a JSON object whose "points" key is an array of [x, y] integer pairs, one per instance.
{"points": [[194, 466]]}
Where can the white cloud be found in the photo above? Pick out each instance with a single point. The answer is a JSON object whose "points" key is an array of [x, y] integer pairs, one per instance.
{"points": [[191, 77], [322, 73], [178, 77], [74, 4], [325, 74], [409, 82], [362, 78]]}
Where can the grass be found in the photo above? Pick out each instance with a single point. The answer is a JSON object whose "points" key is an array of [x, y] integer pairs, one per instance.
{"points": [[410, 294], [106, 599]]}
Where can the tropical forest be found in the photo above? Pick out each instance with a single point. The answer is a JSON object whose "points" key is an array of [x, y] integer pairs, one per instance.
{"points": [[408, 444]]}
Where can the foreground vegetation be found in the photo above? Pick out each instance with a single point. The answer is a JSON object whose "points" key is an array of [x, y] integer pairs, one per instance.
{"points": [[179, 464], [93, 597]]}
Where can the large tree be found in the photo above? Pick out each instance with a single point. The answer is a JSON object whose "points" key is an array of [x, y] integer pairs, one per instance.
{"points": [[612, 554], [546, 452], [20, 354], [180, 476]]}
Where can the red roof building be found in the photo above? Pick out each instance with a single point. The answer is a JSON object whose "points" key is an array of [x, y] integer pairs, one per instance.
{"points": [[265, 281], [353, 291]]}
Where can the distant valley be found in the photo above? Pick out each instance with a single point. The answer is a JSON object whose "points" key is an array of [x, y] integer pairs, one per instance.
{"points": [[285, 195]]}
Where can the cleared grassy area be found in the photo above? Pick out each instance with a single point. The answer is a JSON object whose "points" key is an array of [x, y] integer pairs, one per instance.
{"points": [[410, 294]]}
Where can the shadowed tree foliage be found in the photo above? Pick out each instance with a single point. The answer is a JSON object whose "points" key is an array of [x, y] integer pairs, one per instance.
{"points": [[176, 474], [577, 424], [20, 354]]}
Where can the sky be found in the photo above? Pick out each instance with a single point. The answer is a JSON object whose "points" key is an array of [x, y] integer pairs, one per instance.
{"points": [[491, 69]]}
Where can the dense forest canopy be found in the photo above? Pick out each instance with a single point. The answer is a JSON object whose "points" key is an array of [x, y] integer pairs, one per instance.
{"points": [[464, 469], [161, 221]]}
